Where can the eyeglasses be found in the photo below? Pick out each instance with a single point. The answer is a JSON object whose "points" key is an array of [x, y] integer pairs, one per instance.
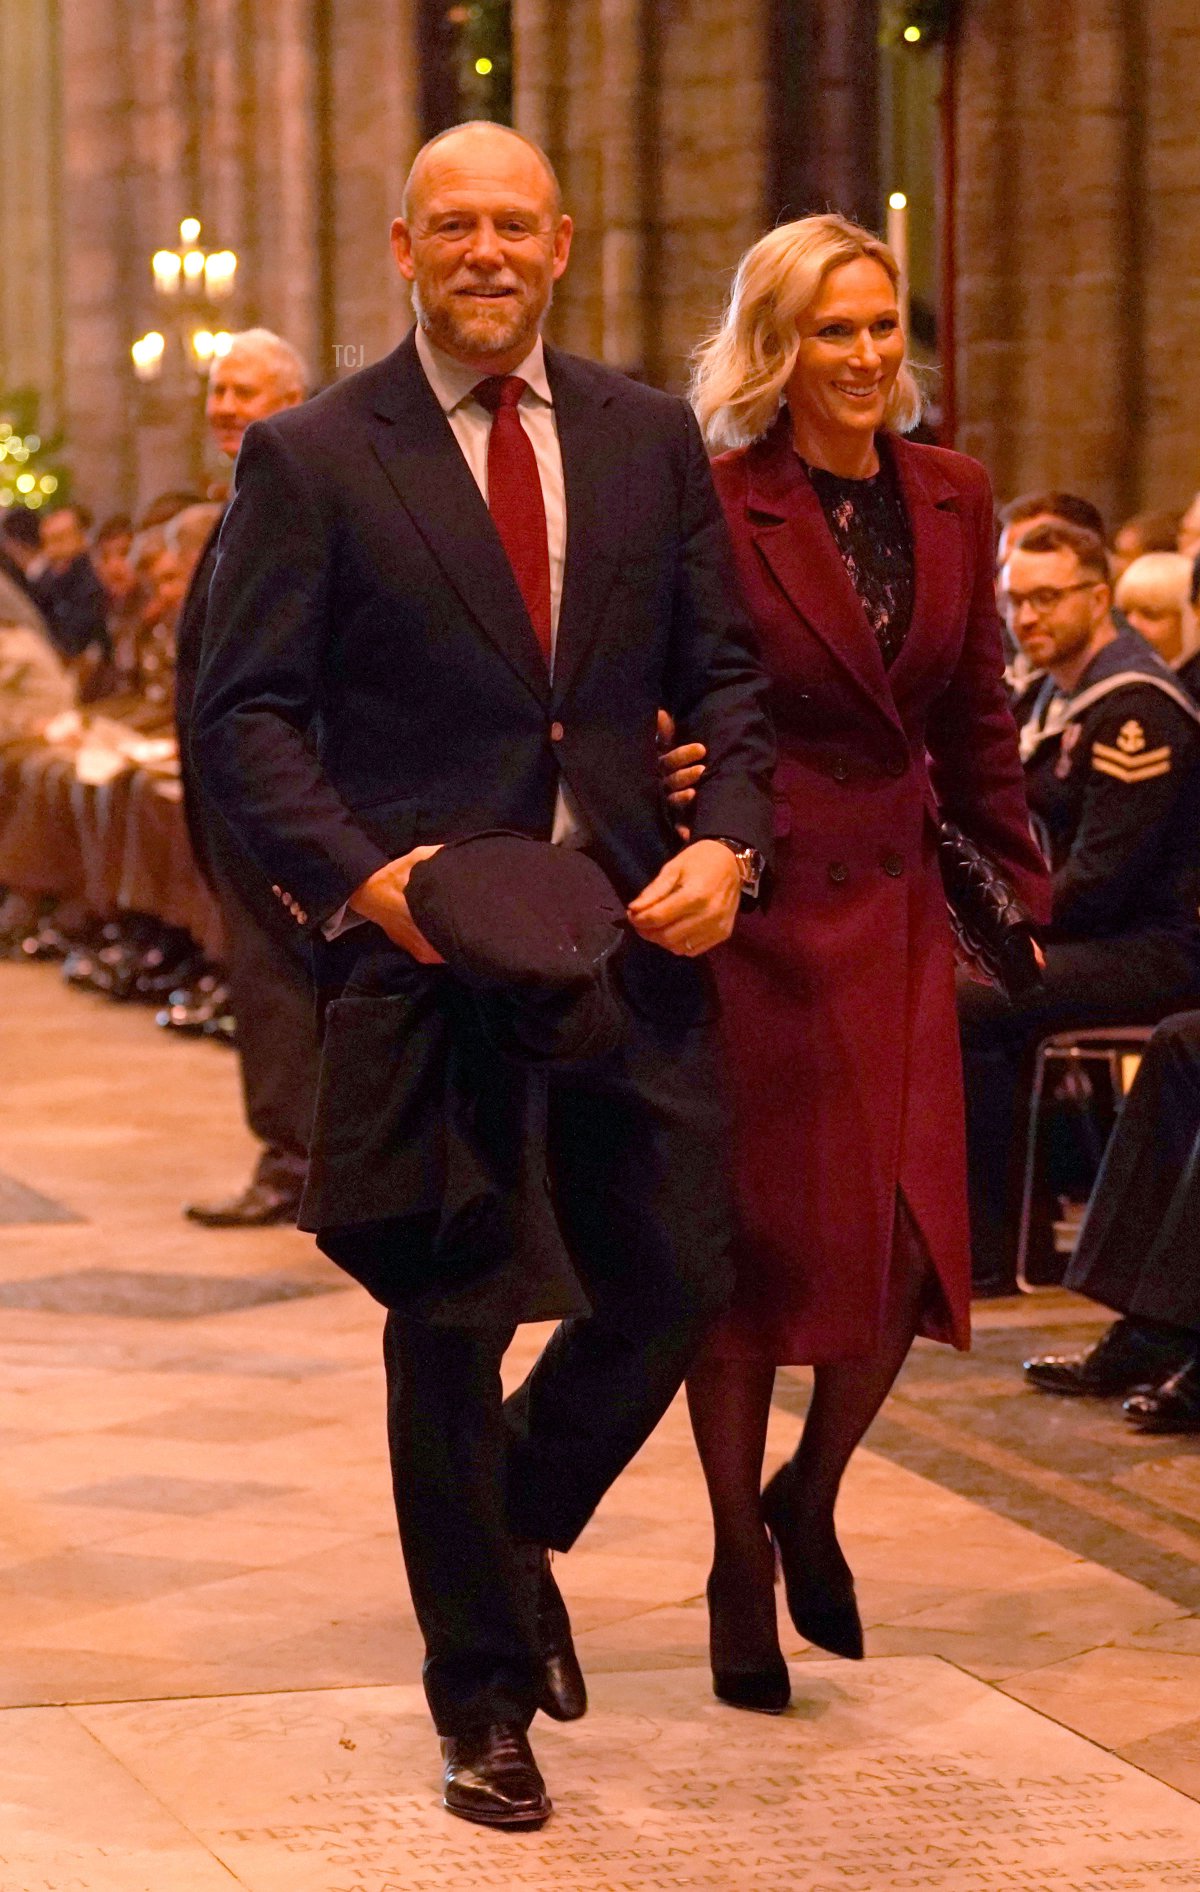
{"points": [[1044, 598]]}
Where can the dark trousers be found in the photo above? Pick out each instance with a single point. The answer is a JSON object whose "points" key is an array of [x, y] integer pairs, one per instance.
{"points": [[636, 1154], [275, 1009], [1136, 980], [1139, 1247]]}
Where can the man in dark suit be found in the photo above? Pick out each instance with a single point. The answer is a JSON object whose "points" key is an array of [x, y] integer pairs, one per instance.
{"points": [[67, 590], [270, 969], [451, 594]]}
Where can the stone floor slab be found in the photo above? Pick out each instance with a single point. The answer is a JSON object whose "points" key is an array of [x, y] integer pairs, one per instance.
{"points": [[72, 1819], [899, 1775]]}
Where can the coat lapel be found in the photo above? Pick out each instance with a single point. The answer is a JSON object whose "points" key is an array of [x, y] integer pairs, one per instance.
{"points": [[413, 442], [789, 529], [937, 529], [596, 495]]}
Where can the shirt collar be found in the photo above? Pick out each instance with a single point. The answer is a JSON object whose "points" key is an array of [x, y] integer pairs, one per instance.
{"points": [[452, 382]]}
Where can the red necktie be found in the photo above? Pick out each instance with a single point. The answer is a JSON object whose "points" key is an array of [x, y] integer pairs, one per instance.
{"points": [[515, 499]]}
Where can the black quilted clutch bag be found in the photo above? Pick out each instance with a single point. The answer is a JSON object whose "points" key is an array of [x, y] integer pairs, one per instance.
{"points": [[992, 930]]}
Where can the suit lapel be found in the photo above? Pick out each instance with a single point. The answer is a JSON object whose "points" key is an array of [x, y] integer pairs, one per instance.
{"points": [[595, 496], [789, 529], [413, 442], [937, 530]]}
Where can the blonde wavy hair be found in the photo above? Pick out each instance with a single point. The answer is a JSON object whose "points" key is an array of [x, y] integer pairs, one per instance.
{"points": [[740, 372], [1162, 581]]}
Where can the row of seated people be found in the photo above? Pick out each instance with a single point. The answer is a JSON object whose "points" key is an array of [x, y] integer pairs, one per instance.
{"points": [[94, 853], [1106, 683], [113, 861]]}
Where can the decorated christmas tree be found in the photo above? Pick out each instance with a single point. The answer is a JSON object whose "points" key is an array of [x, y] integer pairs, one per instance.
{"points": [[30, 472]]}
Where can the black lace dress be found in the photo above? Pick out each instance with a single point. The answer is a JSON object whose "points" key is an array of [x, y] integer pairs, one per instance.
{"points": [[871, 529]]}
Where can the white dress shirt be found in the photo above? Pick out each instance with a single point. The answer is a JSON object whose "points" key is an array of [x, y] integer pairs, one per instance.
{"points": [[471, 424]]}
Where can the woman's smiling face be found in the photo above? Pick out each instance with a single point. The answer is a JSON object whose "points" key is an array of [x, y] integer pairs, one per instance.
{"points": [[851, 350]]}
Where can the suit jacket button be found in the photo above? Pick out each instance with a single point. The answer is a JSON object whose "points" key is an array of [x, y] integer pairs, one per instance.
{"points": [[556, 732], [838, 872], [893, 864], [840, 770], [896, 767]]}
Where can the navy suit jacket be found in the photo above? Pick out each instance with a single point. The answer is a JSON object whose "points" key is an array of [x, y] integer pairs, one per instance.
{"points": [[371, 679]]}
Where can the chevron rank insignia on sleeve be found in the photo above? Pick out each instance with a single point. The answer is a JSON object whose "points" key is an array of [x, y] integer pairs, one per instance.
{"points": [[1131, 761]]}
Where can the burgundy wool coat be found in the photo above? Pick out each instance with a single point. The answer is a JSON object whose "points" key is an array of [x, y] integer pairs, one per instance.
{"points": [[838, 999]]}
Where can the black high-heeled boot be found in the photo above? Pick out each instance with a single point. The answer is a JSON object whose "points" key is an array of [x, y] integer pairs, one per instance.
{"points": [[746, 1671], [818, 1581]]}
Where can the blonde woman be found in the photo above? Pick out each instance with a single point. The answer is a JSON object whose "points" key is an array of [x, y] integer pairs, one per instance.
{"points": [[867, 563], [1155, 593]]}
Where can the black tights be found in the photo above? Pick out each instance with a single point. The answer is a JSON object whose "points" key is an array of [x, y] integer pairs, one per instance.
{"points": [[730, 1403]]}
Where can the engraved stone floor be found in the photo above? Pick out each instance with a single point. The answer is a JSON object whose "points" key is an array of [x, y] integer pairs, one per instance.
{"points": [[208, 1664]]}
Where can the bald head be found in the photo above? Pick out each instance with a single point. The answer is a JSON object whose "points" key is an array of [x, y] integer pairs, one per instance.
{"points": [[485, 142], [482, 240]]}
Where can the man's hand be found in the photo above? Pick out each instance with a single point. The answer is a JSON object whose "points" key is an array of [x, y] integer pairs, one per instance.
{"points": [[692, 904], [382, 898]]}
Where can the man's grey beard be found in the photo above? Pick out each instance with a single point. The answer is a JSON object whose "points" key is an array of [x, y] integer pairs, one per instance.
{"points": [[440, 332]]}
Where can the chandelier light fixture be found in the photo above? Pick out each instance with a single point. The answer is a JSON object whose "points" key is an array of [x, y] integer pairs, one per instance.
{"points": [[190, 281]]}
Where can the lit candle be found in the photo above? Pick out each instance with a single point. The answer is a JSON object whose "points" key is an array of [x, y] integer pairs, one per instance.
{"points": [[166, 265], [897, 236], [147, 353], [220, 266]]}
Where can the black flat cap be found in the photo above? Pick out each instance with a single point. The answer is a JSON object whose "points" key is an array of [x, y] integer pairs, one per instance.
{"points": [[531, 929], [506, 911]]}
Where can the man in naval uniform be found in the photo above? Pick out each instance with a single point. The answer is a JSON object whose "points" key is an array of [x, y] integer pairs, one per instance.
{"points": [[1112, 761]]}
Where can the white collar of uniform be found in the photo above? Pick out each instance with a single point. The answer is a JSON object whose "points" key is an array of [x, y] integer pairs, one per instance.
{"points": [[452, 381]]}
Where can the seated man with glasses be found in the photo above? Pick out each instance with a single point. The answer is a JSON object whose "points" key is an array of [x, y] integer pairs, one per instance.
{"points": [[1112, 772]]}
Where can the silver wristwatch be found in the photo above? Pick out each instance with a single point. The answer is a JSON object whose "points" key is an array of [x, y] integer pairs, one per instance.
{"points": [[751, 865]]}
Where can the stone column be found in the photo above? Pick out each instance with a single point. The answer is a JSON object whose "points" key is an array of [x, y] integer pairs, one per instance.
{"points": [[712, 165], [100, 255], [1047, 318], [623, 115], [372, 137], [1166, 230], [285, 259], [31, 332]]}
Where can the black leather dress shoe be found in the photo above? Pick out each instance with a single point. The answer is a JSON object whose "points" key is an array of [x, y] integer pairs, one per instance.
{"points": [[1125, 1357], [564, 1691], [492, 1778], [1172, 1407], [191, 1009], [258, 1206]]}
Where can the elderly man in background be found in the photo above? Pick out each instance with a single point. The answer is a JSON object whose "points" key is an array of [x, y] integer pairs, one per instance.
{"points": [[270, 981]]}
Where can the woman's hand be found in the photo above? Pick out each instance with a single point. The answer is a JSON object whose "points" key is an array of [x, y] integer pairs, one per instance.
{"points": [[680, 769]]}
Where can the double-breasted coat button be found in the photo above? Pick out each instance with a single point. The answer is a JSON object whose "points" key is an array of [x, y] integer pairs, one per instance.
{"points": [[557, 732], [840, 770], [893, 864], [838, 872]]}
